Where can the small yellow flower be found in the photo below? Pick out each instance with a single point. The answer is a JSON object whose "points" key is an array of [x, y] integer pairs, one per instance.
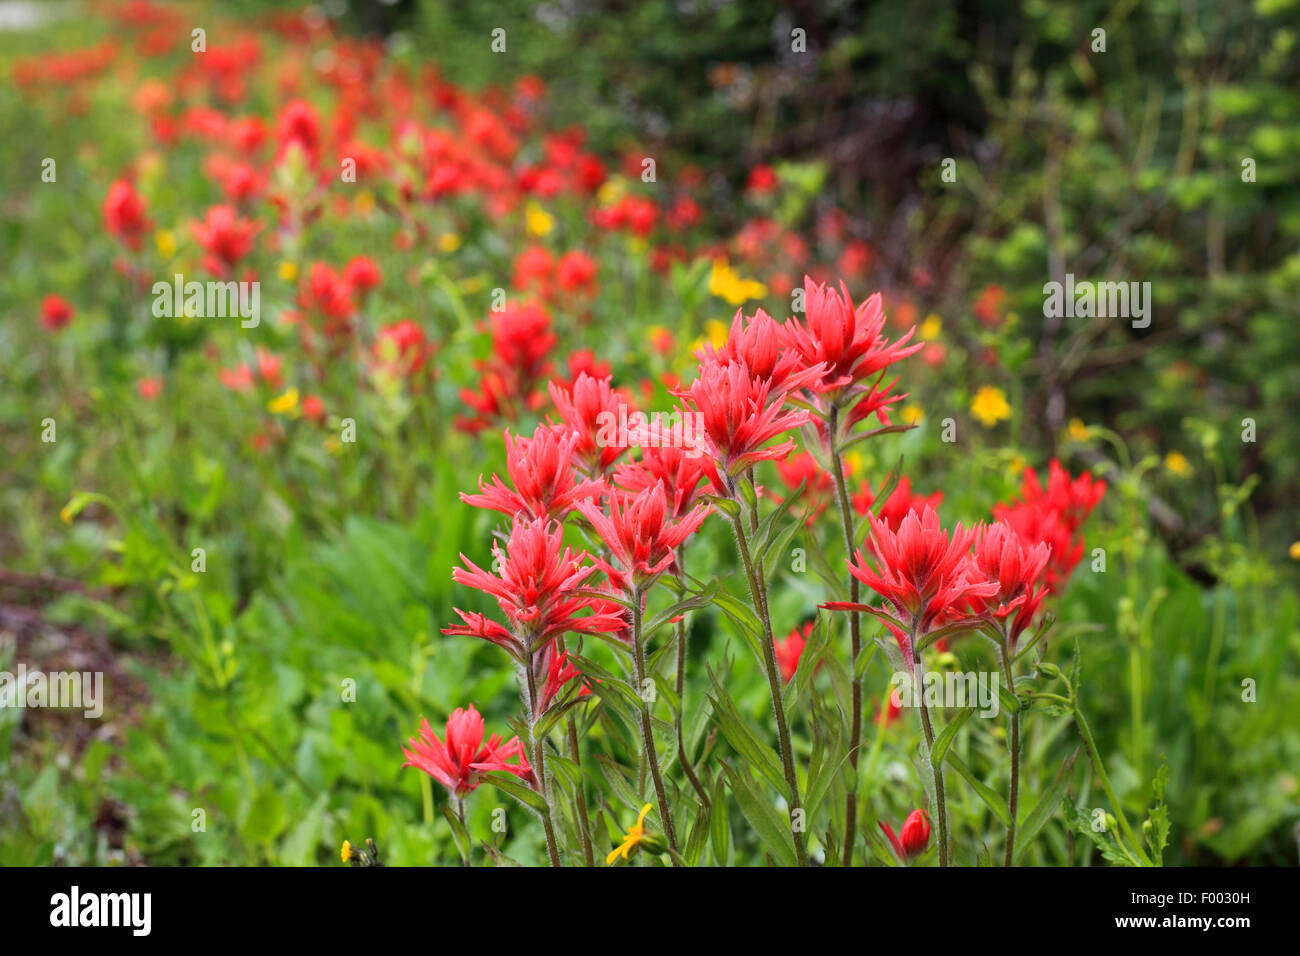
{"points": [[1177, 462], [1016, 466], [539, 221], [471, 285], [166, 243], [1294, 551], [365, 202], [636, 245], [285, 404], [931, 327], [66, 514], [448, 242], [911, 414], [989, 406], [611, 191], [635, 834], [288, 271], [1077, 430], [347, 851], [853, 462], [727, 285], [717, 332]]}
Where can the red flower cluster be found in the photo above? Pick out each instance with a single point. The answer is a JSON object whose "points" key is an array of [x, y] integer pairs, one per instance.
{"points": [[1053, 516], [459, 762]]}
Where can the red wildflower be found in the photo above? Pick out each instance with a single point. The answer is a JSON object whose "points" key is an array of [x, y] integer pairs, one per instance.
{"points": [[124, 213], [298, 125], [592, 409], [402, 349], [553, 671], [576, 271], [921, 573], [362, 275], [460, 763], [641, 535], [847, 340], [541, 468], [56, 312], [914, 836], [1001, 556], [149, 388], [1053, 516], [535, 590], [741, 414], [225, 237], [670, 465]]}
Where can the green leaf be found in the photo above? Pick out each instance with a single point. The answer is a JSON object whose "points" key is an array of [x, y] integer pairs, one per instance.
{"points": [[991, 798], [512, 785], [945, 738], [458, 832], [773, 832], [1045, 807]]}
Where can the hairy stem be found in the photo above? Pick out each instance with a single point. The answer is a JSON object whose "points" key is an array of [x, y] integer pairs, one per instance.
{"points": [[758, 593], [1013, 742], [584, 823], [647, 730], [538, 756], [855, 638], [941, 804]]}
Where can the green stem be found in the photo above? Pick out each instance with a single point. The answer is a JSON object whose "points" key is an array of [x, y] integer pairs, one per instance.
{"points": [[1013, 799], [941, 804], [460, 815], [855, 638], [1086, 732], [538, 755], [647, 728], [584, 823], [679, 684], [756, 591]]}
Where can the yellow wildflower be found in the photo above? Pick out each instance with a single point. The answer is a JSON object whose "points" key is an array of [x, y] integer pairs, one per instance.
{"points": [[288, 271], [727, 285], [931, 327], [449, 242], [611, 191], [717, 331], [347, 851], [989, 406], [365, 202], [1294, 551], [911, 414], [166, 243], [539, 221], [1077, 430], [635, 834], [1177, 462], [285, 404]]}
